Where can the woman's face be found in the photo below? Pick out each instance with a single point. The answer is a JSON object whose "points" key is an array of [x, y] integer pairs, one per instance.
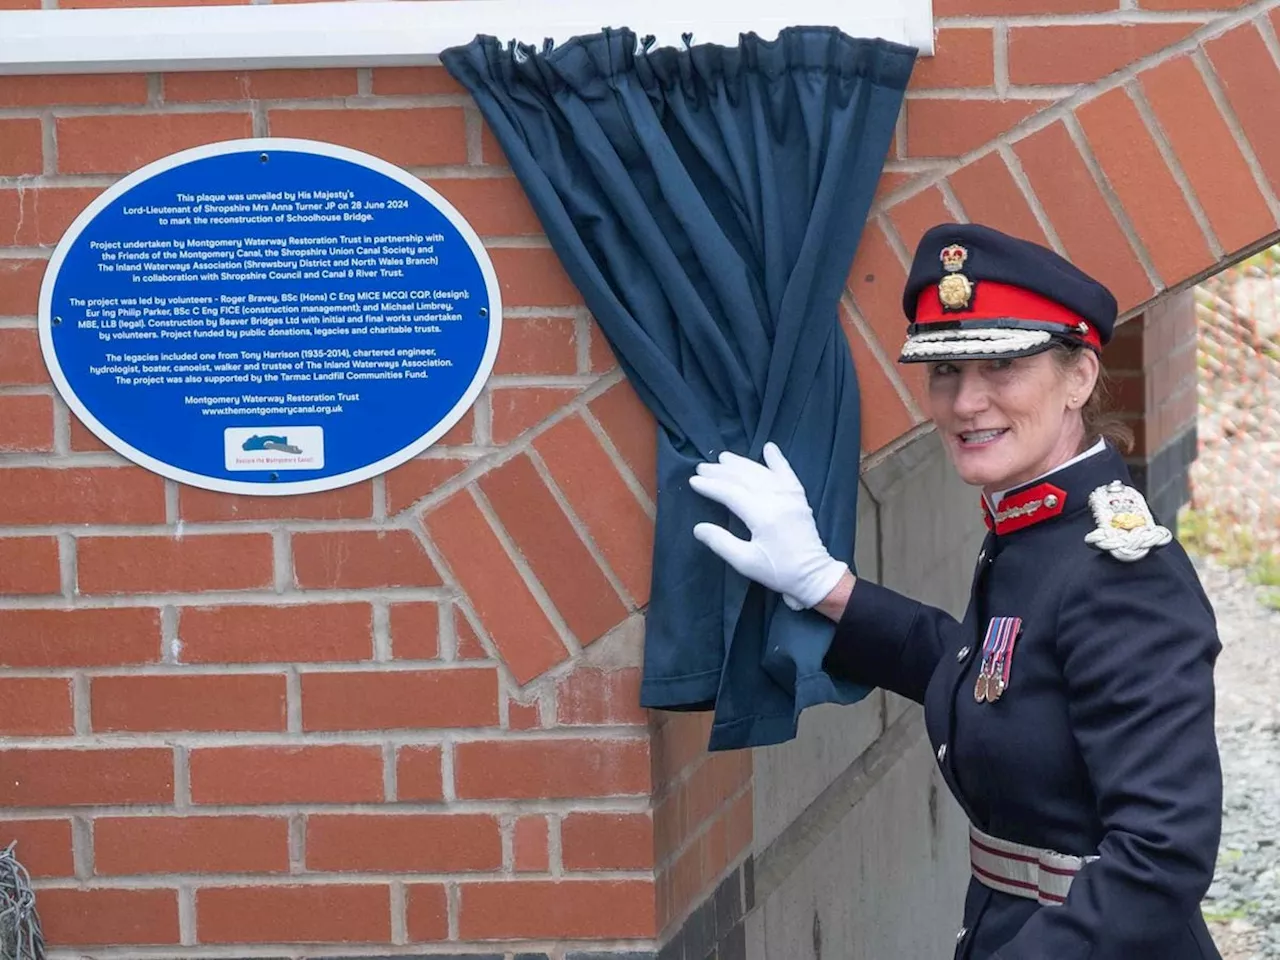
{"points": [[1006, 422]]}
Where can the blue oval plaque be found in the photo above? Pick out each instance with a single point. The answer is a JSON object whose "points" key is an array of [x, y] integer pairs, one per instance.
{"points": [[270, 316]]}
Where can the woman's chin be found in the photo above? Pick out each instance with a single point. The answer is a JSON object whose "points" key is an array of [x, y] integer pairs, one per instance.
{"points": [[979, 466]]}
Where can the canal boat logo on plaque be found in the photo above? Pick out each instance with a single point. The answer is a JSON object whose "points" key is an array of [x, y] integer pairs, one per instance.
{"points": [[270, 316]]}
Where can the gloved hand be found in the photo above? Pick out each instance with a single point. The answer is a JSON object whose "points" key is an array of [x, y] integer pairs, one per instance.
{"points": [[785, 552]]}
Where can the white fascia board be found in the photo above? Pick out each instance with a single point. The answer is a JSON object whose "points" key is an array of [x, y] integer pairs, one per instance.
{"points": [[403, 32]]}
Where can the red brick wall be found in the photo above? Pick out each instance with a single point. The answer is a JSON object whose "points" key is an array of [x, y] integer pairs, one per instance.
{"points": [[393, 714]]}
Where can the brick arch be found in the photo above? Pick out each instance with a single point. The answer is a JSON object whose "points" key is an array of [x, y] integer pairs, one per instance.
{"points": [[1137, 143]]}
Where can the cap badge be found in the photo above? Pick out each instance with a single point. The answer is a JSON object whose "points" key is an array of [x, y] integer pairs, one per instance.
{"points": [[1125, 527], [997, 658], [955, 290]]}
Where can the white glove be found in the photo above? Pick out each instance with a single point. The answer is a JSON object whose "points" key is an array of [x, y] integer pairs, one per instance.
{"points": [[785, 552]]}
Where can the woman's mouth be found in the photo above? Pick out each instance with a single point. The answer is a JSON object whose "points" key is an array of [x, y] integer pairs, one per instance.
{"points": [[979, 438]]}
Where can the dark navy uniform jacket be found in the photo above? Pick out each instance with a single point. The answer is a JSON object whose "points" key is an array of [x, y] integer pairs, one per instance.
{"points": [[1101, 745]]}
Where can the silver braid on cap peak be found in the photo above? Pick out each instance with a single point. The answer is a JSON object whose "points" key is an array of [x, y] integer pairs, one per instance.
{"points": [[976, 342]]}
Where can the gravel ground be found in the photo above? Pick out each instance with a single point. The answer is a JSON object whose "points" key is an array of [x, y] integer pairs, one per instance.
{"points": [[1243, 904]]}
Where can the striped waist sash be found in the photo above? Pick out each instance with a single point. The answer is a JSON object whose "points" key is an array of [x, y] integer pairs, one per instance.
{"points": [[1021, 870]]}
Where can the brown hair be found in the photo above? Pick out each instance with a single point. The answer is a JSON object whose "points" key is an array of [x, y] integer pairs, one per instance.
{"points": [[1099, 421]]}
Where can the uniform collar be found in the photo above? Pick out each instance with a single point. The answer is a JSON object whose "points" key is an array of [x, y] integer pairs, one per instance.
{"points": [[1066, 487]]}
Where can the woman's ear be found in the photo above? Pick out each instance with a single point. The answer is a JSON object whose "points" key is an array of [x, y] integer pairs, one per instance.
{"points": [[1082, 377]]}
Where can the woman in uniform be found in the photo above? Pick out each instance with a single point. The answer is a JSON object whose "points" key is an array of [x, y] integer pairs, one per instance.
{"points": [[1072, 709]]}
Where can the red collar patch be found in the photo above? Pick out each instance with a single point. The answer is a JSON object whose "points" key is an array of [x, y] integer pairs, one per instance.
{"points": [[1026, 508]]}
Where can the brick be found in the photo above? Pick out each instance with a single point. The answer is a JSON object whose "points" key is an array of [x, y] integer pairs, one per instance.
{"points": [[1204, 146], [631, 428], [35, 706], [19, 4], [360, 559], [319, 913], [1144, 186], [20, 361], [962, 57], [548, 542], [79, 638], [600, 355], [23, 147], [39, 216], [1083, 54], [491, 151], [494, 206], [415, 631], [40, 495], [86, 917], [529, 845], [211, 87], [413, 843], [19, 296], [82, 439], [884, 416], [121, 143], [461, 433], [998, 8], [102, 4], [876, 281], [524, 636], [417, 137], [174, 565], [26, 423], [306, 633], [421, 699], [550, 769], [415, 479], [427, 912], [321, 774], [606, 841], [950, 128], [419, 775], [592, 696], [1190, 4], [152, 844], [613, 516], [29, 565], [989, 194], [539, 345], [913, 216], [557, 909], [48, 91], [254, 701], [1079, 214], [43, 846], [469, 646], [415, 81], [518, 409], [679, 743], [1251, 82], [64, 778], [533, 277], [353, 502], [523, 716]]}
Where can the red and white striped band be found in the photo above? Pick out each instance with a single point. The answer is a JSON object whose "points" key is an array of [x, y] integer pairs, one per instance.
{"points": [[1021, 870]]}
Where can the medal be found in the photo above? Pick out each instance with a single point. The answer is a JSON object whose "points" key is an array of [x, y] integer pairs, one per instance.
{"points": [[997, 658]]}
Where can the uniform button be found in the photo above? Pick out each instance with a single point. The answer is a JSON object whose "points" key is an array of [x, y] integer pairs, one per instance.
{"points": [[942, 753], [982, 555], [964, 652], [961, 934]]}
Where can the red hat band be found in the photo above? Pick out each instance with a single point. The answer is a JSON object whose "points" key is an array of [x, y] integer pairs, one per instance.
{"points": [[1001, 301]]}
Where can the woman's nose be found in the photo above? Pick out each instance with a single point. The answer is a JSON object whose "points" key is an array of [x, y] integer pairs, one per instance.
{"points": [[971, 394]]}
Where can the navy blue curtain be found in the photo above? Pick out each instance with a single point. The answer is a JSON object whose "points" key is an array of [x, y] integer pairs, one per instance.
{"points": [[707, 201]]}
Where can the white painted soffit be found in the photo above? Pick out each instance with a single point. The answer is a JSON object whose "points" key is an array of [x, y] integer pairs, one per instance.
{"points": [[403, 32]]}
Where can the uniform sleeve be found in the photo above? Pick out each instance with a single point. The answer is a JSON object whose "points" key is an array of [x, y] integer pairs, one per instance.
{"points": [[887, 640], [1137, 643]]}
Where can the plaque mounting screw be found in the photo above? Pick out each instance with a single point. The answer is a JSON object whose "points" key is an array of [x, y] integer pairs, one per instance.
{"points": [[275, 476], [484, 312], [263, 157], [57, 320]]}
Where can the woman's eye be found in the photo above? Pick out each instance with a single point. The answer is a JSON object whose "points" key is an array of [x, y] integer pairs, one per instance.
{"points": [[1001, 363], [943, 369]]}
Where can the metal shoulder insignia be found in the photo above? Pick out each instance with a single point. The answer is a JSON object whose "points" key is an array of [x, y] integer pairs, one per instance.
{"points": [[1126, 529]]}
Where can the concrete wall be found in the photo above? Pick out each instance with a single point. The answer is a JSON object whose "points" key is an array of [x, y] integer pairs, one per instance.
{"points": [[860, 849]]}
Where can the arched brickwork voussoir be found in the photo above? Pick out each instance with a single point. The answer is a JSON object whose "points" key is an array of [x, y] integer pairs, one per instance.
{"points": [[1140, 144]]}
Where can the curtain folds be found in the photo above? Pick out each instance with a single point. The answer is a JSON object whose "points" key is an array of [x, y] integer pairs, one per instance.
{"points": [[707, 202]]}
